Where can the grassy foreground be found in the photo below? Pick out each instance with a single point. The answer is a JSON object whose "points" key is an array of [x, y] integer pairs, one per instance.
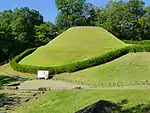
{"points": [[75, 44], [8, 70], [129, 68], [71, 101]]}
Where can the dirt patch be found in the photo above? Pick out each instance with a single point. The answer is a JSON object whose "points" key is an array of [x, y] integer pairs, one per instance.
{"points": [[47, 84], [101, 106]]}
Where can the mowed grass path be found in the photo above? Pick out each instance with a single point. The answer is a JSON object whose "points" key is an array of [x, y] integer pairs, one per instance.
{"points": [[129, 68], [8, 70], [77, 43], [71, 101]]}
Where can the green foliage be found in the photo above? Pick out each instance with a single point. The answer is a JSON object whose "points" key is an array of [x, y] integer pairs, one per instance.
{"points": [[17, 31], [70, 13], [7, 69], [23, 23], [14, 62], [5, 35], [75, 13], [126, 20], [44, 33], [142, 42], [77, 65], [21, 29], [68, 67]]}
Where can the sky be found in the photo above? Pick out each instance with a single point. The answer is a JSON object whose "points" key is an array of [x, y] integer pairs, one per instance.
{"points": [[46, 7]]}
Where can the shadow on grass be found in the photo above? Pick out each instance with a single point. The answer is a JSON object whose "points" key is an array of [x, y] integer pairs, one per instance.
{"points": [[6, 80], [103, 106], [11, 78]]}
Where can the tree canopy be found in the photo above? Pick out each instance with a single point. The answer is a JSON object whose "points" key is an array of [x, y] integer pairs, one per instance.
{"points": [[74, 13], [21, 29], [126, 20], [24, 28]]}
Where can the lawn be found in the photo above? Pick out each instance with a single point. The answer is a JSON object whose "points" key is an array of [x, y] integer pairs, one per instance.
{"points": [[71, 101], [75, 44], [8, 70], [128, 68]]}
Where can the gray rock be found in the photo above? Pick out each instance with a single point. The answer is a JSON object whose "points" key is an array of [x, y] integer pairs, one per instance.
{"points": [[101, 106]]}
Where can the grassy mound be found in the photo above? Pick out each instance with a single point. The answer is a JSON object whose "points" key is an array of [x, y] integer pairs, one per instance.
{"points": [[75, 44], [71, 101], [133, 67]]}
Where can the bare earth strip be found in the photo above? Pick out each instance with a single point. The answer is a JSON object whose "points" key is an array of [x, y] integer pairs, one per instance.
{"points": [[36, 84], [60, 85]]}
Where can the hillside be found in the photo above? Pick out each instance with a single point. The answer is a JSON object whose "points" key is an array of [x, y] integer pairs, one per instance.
{"points": [[133, 67], [71, 101], [76, 43]]}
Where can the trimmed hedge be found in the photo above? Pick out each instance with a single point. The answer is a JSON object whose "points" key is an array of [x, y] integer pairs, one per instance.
{"points": [[79, 65], [142, 42]]}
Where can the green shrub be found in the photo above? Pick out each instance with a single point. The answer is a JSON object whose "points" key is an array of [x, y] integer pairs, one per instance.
{"points": [[139, 48], [142, 42], [79, 65], [14, 63]]}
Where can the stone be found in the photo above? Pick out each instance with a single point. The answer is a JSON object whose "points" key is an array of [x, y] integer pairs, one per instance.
{"points": [[101, 106]]}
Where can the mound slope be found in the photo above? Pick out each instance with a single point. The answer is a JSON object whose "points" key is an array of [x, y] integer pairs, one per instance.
{"points": [[77, 43], [133, 67]]}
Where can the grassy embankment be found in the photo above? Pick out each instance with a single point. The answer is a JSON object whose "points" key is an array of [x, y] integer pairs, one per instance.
{"points": [[71, 101], [75, 44]]}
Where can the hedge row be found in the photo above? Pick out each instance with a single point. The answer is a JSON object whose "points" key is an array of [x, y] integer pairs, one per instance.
{"points": [[142, 42], [79, 65]]}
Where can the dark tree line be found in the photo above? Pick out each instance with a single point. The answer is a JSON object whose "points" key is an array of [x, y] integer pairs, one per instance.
{"points": [[24, 28], [21, 29], [126, 20], [75, 13]]}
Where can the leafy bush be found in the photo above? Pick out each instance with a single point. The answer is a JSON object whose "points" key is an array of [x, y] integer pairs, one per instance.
{"points": [[79, 65]]}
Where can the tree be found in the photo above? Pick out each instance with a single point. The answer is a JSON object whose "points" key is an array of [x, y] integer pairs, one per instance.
{"points": [[5, 34], [122, 19], [23, 23], [144, 21], [45, 33], [5, 45], [17, 30], [71, 13], [91, 14]]}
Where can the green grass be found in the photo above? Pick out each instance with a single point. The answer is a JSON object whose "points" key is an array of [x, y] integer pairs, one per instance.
{"points": [[142, 42], [7, 69], [71, 101], [75, 44], [129, 68]]}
